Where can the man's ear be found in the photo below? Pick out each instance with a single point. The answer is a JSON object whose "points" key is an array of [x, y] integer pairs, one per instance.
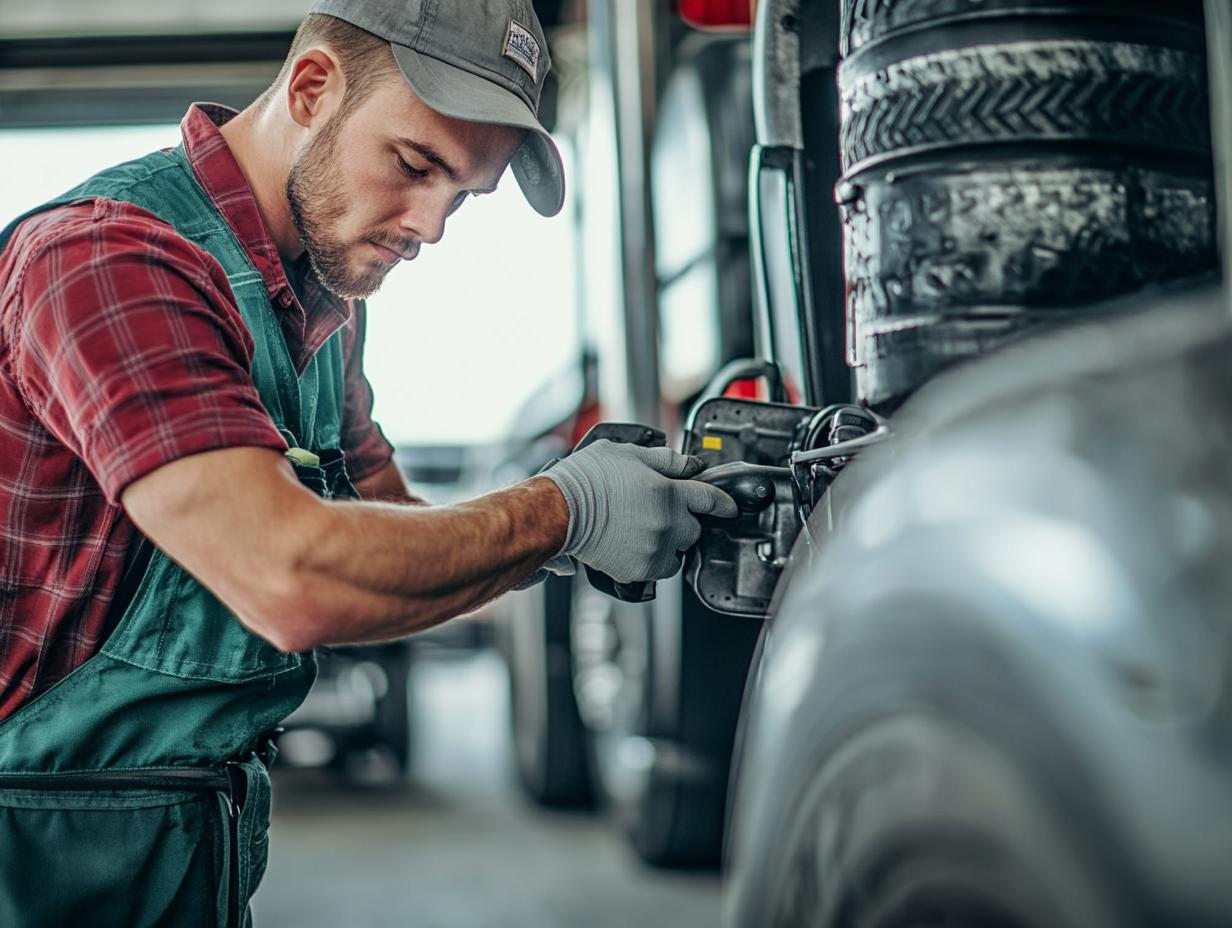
{"points": [[315, 87]]}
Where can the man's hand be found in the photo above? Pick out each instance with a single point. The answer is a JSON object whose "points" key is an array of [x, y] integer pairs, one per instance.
{"points": [[632, 510]]}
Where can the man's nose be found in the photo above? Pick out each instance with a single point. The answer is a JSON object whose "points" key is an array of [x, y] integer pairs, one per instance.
{"points": [[425, 219]]}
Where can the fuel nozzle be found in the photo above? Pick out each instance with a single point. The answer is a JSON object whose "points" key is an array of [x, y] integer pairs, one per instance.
{"points": [[750, 485]]}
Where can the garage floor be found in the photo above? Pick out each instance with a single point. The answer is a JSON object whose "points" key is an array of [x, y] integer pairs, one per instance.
{"points": [[457, 847]]}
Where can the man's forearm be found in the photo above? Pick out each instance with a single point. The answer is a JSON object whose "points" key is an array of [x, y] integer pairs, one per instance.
{"points": [[300, 571], [383, 571]]}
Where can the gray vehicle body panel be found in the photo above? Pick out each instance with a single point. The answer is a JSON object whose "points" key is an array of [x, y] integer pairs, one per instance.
{"points": [[1073, 491]]}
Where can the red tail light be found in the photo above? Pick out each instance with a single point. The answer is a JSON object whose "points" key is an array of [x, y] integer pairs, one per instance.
{"points": [[718, 14], [746, 390], [756, 390], [587, 416]]}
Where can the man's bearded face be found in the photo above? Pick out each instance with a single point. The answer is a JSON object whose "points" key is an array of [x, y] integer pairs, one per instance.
{"points": [[318, 202]]}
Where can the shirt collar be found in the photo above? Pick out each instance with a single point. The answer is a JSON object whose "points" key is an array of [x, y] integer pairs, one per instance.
{"points": [[219, 174]]}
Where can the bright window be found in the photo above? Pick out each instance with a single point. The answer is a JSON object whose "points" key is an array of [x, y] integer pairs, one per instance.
{"points": [[458, 340]]}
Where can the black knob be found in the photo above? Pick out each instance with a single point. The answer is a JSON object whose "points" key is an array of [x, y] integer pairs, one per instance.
{"points": [[750, 485]]}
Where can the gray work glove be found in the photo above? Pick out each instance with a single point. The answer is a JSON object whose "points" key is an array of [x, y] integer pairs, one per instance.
{"points": [[632, 512], [562, 565]]}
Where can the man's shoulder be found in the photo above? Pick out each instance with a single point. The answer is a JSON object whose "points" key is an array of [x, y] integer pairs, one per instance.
{"points": [[88, 259], [103, 216], [90, 231]]}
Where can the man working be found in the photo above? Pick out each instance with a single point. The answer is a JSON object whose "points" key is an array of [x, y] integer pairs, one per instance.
{"points": [[180, 360]]}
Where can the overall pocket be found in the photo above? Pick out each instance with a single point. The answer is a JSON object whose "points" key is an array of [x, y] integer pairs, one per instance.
{"points": [[126, 859], [177, 626]]}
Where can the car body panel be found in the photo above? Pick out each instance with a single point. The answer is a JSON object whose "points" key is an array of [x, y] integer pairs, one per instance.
{"points": [[1073, 494]]}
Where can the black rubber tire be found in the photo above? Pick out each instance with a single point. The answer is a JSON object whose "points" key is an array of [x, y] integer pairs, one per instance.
{"points": [[950, 264], [661, 738], [868, 21], [550, 744], [394, 710], [679, 820], [1008, 163], [1052, 90]]}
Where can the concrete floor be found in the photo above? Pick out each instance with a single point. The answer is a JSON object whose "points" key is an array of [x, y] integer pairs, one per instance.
{"points": [[458, 847]]}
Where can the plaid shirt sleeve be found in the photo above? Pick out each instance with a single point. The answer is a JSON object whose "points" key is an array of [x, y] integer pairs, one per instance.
{"points": [[126, 344], [365, 444]]}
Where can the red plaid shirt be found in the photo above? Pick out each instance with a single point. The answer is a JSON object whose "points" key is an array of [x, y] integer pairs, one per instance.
{"points": [[121, 350]]}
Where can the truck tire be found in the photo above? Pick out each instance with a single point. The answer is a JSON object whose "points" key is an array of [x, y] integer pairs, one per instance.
{"points": [[662, 737], [1006, 164], [550, 745], [867, 21], [394, 710]]}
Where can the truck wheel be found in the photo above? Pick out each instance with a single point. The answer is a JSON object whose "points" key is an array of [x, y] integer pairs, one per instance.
{"points": [[678, 820], [1007, 162], [393, 709], [550, 749], [659, 687], [868, 21]]}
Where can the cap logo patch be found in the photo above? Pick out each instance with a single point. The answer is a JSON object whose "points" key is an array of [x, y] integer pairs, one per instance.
{"points": [[522, 49]]}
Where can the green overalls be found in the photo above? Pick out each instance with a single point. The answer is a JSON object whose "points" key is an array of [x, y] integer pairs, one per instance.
{"points": [[134, 791]]}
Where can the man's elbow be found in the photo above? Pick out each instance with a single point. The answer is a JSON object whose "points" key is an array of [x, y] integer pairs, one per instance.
{"points": [[285, 636], [300, 611], [290, 615]]}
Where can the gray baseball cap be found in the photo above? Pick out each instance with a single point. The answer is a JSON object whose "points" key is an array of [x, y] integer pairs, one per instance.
{"points": [[476, 60]]}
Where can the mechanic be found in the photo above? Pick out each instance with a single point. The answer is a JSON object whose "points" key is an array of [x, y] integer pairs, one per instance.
{"points": [[185, 427]]}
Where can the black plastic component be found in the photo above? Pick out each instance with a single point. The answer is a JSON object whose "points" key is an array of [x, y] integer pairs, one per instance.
{"points": [[629, 433], [839, 431], [752, 486], [748, 369], [641, 591], [737, 562], [850, 422], [745, 444]]}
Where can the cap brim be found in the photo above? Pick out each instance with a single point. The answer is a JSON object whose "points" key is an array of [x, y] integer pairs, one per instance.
{"points": [[451, 91]]}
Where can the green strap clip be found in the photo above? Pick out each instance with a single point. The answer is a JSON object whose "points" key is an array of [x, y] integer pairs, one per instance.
{"points": [[303, 458]]}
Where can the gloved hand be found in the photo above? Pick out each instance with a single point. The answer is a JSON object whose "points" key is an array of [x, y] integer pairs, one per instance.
{"points": [[632, 509]]}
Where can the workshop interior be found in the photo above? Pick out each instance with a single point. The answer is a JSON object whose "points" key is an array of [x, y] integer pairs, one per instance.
{"points": [[932, 290]]}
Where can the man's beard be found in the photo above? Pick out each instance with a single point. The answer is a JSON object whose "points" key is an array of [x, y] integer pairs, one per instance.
{"points": [[317, 202]]}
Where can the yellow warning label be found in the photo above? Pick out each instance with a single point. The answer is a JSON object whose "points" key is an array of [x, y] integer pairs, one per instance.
{"points": [[712, 443]]}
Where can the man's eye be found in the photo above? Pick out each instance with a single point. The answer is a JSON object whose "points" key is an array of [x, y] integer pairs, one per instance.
{"points": [[458, 201], [410, 171]]}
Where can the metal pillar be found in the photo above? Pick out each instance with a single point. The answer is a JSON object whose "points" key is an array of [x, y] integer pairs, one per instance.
{"points": [[623, 52]]}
